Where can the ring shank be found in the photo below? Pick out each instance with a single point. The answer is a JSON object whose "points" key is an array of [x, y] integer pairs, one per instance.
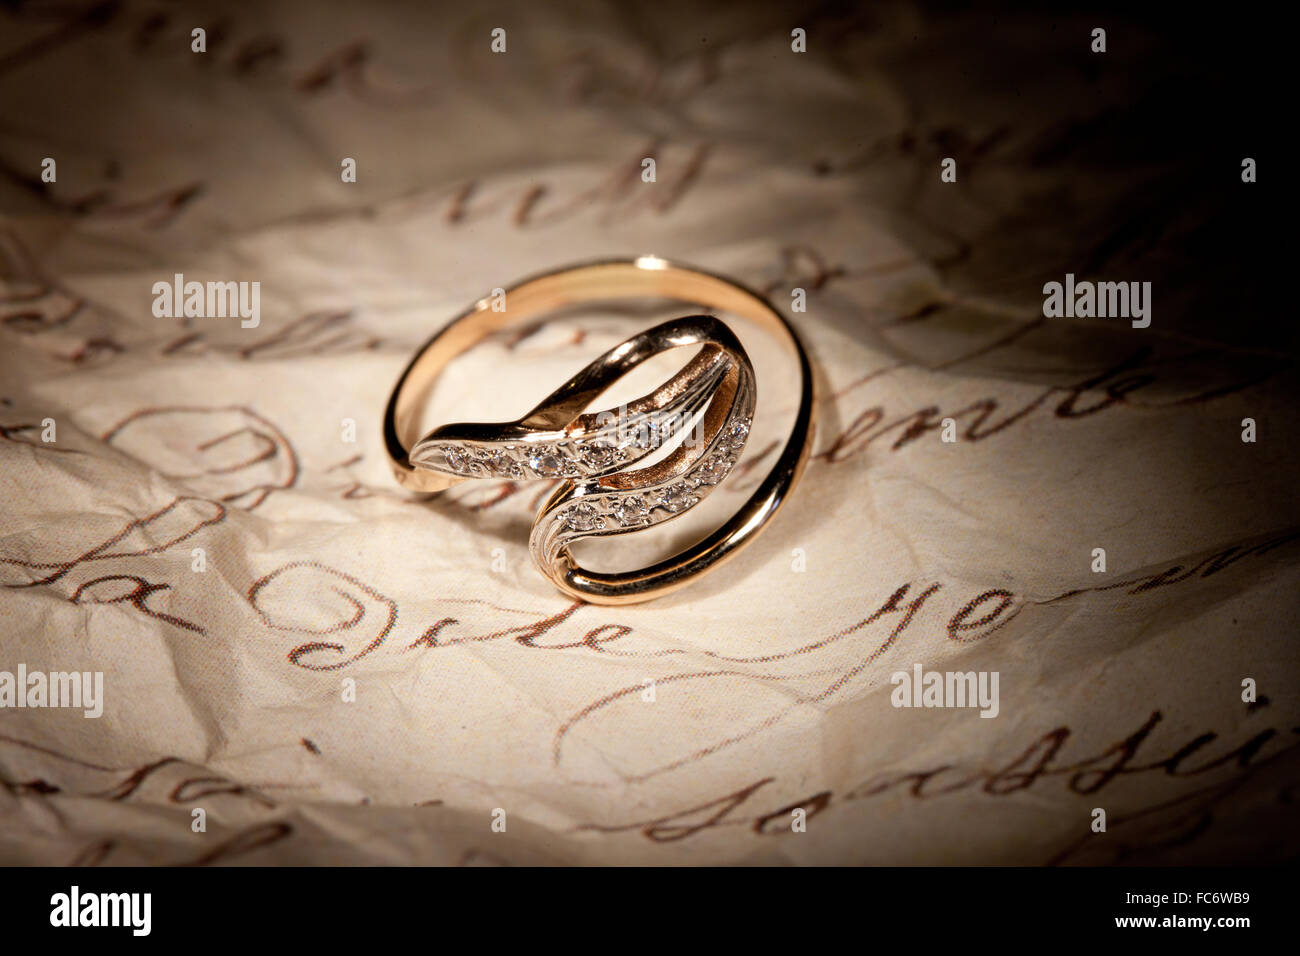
{"points": [[646, 277]]}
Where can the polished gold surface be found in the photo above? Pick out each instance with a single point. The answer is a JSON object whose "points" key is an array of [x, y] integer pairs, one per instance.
{"points": [[562, 412]]}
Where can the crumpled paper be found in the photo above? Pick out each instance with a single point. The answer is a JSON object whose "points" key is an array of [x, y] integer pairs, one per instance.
{"points": [[302, 664]]}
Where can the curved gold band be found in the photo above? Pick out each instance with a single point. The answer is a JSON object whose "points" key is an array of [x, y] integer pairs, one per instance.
{"points": [[643, 278]]}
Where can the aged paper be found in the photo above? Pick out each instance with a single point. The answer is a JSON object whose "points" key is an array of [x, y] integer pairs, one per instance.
{"points": [[332, 671]]}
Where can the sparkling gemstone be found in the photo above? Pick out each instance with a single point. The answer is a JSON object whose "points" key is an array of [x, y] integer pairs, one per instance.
{"points": [[736, 435], [713, 470], [500, 464], [546, 463], [644, 435], [630, 509], [597, 454], [583, 517], [455, 457], [677, 498]]}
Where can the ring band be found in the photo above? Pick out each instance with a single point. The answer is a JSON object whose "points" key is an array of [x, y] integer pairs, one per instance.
{"points": [[591, 451]]}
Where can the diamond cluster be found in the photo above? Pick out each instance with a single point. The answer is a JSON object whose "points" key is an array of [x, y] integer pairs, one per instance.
{"points": [[566, 459], [583, 457], [621, 510]]}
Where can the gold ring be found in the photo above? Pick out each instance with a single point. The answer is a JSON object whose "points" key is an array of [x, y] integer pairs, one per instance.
{"points": [[599, 494]]}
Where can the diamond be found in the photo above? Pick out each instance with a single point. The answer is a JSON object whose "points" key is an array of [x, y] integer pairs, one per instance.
{"points": [[583, 517], [455, 457], [500, 465], [630, 509], [644, 436], [736, 435], [678, 498], [713, 470], [546, 463], [597, 454]]}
